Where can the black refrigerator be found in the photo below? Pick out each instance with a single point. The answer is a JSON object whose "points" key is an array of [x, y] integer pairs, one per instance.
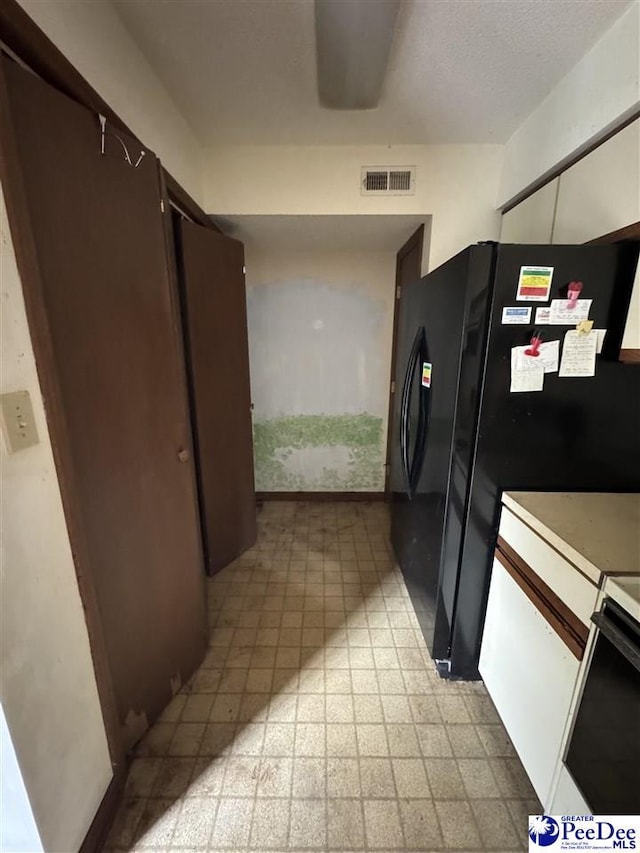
{"points": [[460, 437]]}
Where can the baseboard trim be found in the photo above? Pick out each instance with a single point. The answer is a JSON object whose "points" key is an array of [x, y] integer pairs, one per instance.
{"points": [[319, 496], [101, 824]]}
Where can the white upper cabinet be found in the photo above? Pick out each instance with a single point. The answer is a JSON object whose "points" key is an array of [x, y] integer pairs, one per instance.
{"points": [[597, 195], [531, 221], [601, 192]]}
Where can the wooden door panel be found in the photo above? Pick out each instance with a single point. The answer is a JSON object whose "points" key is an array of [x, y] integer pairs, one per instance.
{"points": [[216, 320], [98, 230]]}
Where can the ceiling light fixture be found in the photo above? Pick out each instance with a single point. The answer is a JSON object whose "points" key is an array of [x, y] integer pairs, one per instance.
{"points": [[353, 42]]}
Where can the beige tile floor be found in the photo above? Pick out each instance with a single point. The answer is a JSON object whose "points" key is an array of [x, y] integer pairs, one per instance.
{"points": [[317, 721]]}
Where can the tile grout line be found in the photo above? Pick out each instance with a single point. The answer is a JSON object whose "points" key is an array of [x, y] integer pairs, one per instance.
{"points": [[368, 607]]}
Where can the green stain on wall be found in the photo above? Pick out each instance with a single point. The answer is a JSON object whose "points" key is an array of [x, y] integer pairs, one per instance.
{"points": [[359, 436]]}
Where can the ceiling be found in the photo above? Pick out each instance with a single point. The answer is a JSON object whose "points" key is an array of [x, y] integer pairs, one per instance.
{"points": [[297, 234], [460, 71]]}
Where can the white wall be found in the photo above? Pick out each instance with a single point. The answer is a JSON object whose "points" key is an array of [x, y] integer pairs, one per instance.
{"points": [[601, 192], [320, 328], [456, 184], [93, 38], [596, 96], [302, 371], [49, 693]]}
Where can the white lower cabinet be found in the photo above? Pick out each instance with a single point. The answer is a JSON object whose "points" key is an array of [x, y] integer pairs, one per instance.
{"points": [[567, 798], [530, 674]]}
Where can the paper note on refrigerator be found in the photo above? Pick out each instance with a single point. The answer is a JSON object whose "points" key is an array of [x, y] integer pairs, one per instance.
{"points": [[543, 316], [562, 315], [527, 380], [600, 333], [579, 354], [547, 358]]}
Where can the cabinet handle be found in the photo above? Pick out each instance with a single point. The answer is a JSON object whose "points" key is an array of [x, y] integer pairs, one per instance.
{"points": [[183, 455]]}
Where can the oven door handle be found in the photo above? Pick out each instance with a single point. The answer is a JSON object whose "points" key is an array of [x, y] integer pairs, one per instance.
{"points": [[618, 639]]}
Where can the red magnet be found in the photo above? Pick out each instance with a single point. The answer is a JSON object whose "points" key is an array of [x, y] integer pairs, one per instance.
{"points": [[573, 292], [534, 349]]}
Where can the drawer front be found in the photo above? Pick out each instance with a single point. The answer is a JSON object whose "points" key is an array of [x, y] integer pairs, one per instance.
{"points": [[571, 630], [564, 579]]}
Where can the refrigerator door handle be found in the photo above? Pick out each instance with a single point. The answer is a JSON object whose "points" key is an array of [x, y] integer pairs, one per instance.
{"points": [[404, 409], [423, 421]]}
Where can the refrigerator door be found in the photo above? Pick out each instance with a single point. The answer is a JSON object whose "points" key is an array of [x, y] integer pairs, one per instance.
{"points": [[577, 434], [431, 340]]}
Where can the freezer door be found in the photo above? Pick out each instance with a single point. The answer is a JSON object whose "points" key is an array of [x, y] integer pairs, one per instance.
{"points": [[431, 333]]}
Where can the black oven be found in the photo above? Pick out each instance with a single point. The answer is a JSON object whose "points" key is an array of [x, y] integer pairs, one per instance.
{"points": [[604, 749]]}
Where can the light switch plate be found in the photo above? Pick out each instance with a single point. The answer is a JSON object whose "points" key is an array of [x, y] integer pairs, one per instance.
{"points": [[18, 424]]}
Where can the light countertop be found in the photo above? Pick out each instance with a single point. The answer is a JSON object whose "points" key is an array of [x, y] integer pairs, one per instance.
{"points": [[598, 533], [626, 591]]}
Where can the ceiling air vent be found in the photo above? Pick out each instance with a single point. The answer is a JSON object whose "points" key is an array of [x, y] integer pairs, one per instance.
{"points": [[388, 180]]}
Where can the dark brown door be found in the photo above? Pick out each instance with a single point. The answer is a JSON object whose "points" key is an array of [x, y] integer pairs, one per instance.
{"points": [[98, 236], [212, 276], [408, 269]]}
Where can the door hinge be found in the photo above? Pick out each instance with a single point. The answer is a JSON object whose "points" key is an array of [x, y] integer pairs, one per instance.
{"points": [[162, 205], [244, 270], [398, 292], [393, 387]]}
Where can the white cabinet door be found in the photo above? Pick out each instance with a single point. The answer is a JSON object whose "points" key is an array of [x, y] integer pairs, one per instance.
{"points": [[567, 798], [530, 675], [601, 192], [531, 221]]}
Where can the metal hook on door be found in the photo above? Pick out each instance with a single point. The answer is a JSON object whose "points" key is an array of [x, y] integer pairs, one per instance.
{"points": [[104, 133]]}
